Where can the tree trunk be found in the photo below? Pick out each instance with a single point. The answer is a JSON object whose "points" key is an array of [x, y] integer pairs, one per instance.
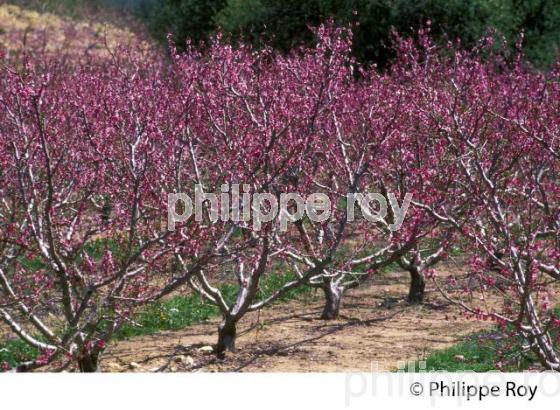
{"points": [[542, 346], [226, 337], [417, 286], [89, 363], [540, 340], [333, 297]]}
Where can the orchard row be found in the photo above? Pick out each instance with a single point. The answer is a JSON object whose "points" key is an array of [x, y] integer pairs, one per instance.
{"points": [[91, 146]]}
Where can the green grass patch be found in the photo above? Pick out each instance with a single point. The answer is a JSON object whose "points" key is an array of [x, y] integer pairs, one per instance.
{"points": [[16, 351], [479, 352], [170, 314]]}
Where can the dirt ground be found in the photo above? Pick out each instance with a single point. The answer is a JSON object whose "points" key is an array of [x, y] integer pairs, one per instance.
{"points": [[377, 330]]}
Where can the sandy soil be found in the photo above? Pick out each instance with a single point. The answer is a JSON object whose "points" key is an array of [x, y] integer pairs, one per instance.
{"points": [[377, 328]]}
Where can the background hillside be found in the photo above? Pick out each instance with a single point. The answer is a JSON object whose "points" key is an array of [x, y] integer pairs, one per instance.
{"points": [[285, 23]]}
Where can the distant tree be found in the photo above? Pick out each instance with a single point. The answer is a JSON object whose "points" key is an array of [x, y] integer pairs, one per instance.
{"points": [[185, 19], [284, 24]]}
